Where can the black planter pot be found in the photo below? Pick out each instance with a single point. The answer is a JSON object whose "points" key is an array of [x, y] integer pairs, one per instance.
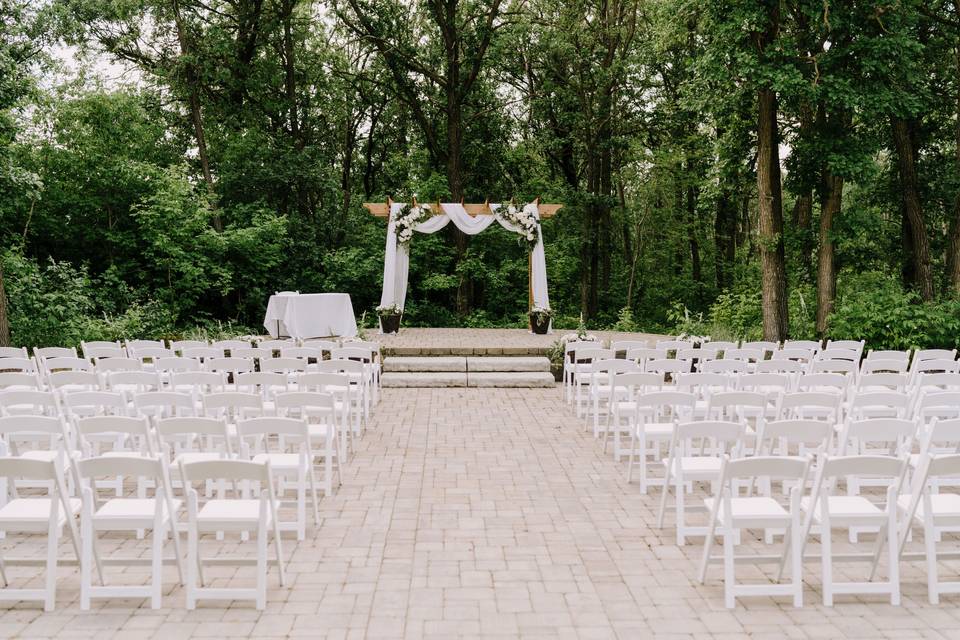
{"points": [[540, 324], [390, 323]]}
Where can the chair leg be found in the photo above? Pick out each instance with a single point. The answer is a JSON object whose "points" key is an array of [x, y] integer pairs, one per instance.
{"points": [[156, 586], [893, 572], [663, 500], [679, 498], [86, 558], [796, 546], [633, 453], [50, 580], [826, 563], [729, 573], [262, 567], [933, 580], [301, 504], [193, 566]]}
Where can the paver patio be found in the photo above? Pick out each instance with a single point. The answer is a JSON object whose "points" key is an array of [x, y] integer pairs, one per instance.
{"points": [[486, 513]]}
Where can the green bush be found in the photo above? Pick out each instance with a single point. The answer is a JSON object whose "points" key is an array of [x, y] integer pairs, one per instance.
{"points": [[874, 307]]}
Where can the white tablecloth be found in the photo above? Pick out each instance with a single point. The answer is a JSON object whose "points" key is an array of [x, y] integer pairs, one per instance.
{"points": [[310, 315]]}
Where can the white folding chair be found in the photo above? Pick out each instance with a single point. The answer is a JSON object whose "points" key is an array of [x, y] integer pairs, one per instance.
{"points": [[178, 346], [157, 513], [319, 411], [766, 347], [655, 418], [263, 440], [850, 345], [728, 367], [238, 513], [52, 513], [789, 367], [696, 452], [89, 347], [812, 405], [731, 513], [109, 365], [51, 365], [18, 365], [581, 369], [267, 384], [600, 388], [28, 402], [879, 404], [157, 405], [808, 345], [347, 411], [934, 513], [854, 512], [800, 355], [669, 369], [359, 392], [703, 385], [623, 406], [226, 347], [642, 355]]}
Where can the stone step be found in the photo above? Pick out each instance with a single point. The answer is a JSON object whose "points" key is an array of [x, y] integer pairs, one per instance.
{"points": [[461, 364], [452, 379], [437, 363], [507, 363]]}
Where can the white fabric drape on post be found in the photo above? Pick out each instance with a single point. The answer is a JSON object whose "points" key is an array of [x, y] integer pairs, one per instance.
{"points": [[396, 257]]}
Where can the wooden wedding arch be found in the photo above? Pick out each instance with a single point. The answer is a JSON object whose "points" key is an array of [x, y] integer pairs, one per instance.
{"points": [[382, 210]]}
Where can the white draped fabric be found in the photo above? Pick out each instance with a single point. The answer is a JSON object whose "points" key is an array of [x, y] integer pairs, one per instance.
{"points": [[396, 257]]}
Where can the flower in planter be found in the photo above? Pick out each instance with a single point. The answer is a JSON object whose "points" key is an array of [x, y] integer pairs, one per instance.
{"points": [[389, 310]]}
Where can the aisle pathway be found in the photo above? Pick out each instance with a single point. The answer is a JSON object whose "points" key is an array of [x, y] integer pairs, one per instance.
{"points": [[488, 513]]}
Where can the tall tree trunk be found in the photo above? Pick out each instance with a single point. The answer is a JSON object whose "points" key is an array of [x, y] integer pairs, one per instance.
{"points": [[953, 258], [696, 267], [196, 116], [826, 272], [724, 236], [776, 322], [910, 188], [4, 319], [803, 207]]}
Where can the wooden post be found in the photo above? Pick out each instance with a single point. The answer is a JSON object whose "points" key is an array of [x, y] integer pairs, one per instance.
{"points": [[529, 288]]}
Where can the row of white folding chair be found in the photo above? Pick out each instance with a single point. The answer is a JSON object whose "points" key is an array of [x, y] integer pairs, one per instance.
{"points": [[906, 504], [351, 374], [56, 513], [304, 418]]}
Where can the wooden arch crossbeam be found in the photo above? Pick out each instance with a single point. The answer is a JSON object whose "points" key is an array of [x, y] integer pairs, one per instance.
{"points": [[382, 209]]}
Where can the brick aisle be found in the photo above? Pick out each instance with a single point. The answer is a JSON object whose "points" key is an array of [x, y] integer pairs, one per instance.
{"points": [[488, 513]]}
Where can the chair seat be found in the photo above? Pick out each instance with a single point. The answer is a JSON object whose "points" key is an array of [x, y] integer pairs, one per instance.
{"points": [[751, 509], [33, 511], [944, 505], [279, 461], [130, 509], [321, 430], [695, 467], [662, 430], [231, 511], [844, 507], [196, 456]]}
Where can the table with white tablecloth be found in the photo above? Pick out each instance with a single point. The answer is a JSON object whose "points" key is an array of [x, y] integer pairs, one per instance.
{"points": [[310, 315]]}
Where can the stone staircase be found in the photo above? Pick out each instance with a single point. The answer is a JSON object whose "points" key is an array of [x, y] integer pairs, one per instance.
{"points": [[467, 371]]}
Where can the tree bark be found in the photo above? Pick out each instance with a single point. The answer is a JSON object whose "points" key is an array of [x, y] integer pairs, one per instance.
{"points": [[826, 272], [4, 318], [776, 324], [953, 258], [909, 186], [196, 116]]}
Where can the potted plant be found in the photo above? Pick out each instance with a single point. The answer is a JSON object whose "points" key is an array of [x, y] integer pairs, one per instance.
{"points": [[390, 317], [540, 320]]}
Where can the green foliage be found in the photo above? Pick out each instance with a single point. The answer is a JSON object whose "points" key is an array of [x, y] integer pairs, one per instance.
{"points": [[875, 307]]}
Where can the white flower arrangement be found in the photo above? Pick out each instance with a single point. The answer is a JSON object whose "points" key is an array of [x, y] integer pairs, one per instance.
{"points": [[407, 220], [525, 219], [389, 310]]}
